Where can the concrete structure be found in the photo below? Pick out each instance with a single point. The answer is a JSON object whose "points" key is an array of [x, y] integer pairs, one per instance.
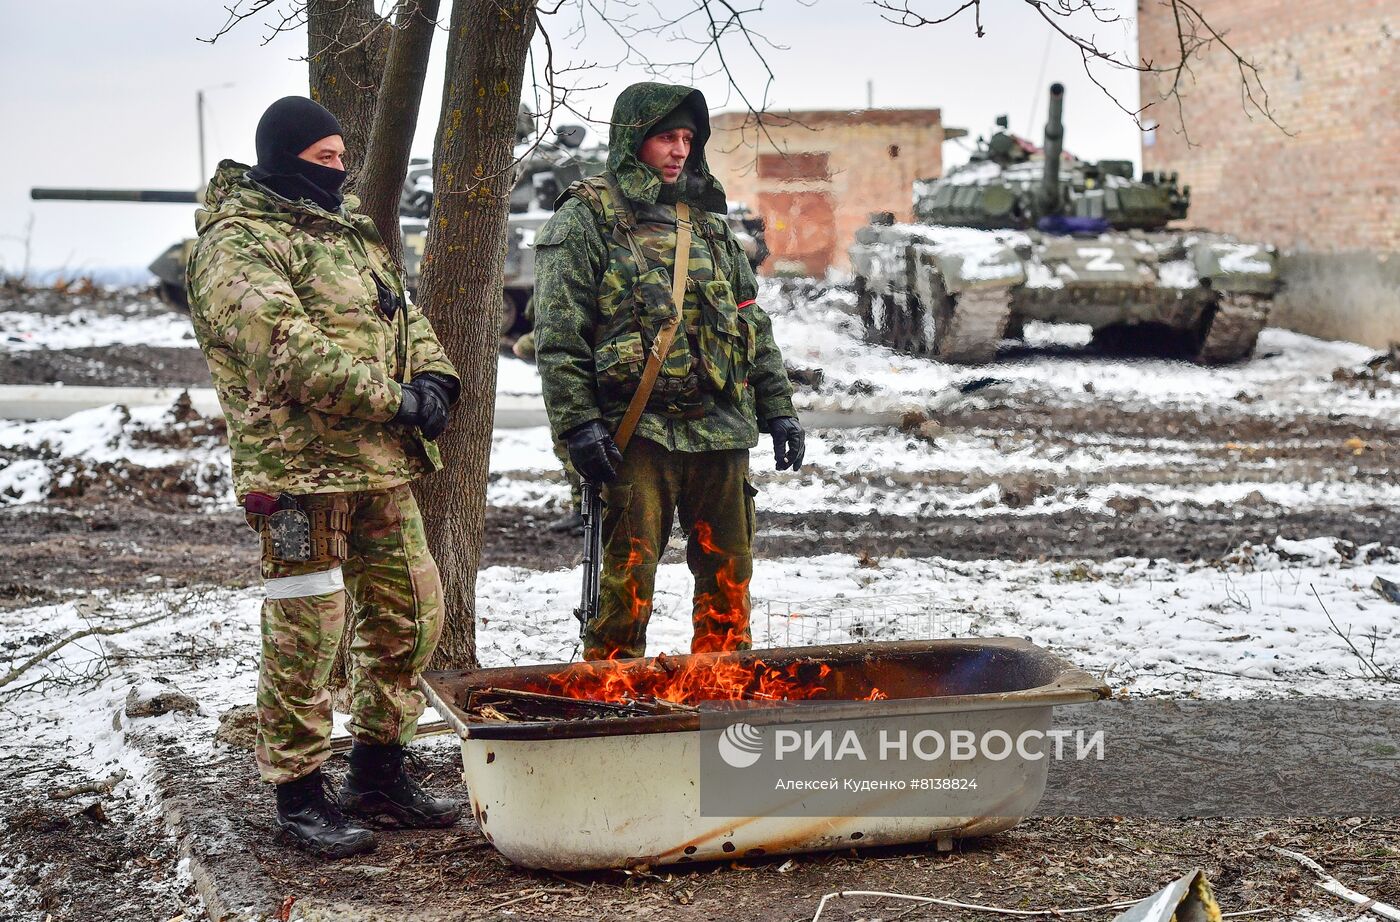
{"points": [[1329, 194], [816, 176]]}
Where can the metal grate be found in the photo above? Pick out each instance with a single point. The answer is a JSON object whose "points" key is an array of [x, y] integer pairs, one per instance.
{"points": [[919, 616]]}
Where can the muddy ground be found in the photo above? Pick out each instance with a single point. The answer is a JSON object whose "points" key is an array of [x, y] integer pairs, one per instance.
{"points": [[107, 366], [80, 546], [91, 858], [121, 526], [456, 875]]}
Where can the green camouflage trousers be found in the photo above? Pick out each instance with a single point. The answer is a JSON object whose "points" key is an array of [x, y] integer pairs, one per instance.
{"points": [[711, 492], [373, 550]]}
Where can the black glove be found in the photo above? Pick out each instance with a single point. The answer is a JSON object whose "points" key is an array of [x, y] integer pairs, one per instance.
{"points": [[433, 405], [789, 442], [448, 387], [426, 401], [410, 412], [593, 452]]}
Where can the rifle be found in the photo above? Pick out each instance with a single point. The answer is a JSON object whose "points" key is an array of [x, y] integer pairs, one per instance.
{"points": [[592, 499], [592, 556]]}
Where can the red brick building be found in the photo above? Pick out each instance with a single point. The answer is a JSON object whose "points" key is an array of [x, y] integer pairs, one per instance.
{"points": [[816, 176], [1327, 192]]}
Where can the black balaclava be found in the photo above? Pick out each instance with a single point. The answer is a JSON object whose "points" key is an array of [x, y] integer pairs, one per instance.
{"points": [[679, 117], [289, 126]]}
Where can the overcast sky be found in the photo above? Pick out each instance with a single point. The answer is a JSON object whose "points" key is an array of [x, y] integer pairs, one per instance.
{"points": [[102, 94]]}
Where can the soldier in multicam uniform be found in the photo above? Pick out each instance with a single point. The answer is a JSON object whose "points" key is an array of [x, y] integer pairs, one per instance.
{"points": [[603, 290], [334, 387]]}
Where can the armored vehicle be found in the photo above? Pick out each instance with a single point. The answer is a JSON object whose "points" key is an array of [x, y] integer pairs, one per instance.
{"points": [[1024, 233]]}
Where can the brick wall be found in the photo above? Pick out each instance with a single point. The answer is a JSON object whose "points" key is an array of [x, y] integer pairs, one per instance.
{"points": [[1332, 69], [1329, 188], [815, 203]]}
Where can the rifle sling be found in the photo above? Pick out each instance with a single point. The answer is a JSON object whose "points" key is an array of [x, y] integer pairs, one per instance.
{"points": [[680, 274]]}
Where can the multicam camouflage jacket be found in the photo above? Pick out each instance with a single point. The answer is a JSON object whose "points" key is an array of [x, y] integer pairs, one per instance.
{"points": [[285, 299], [603, 290]]}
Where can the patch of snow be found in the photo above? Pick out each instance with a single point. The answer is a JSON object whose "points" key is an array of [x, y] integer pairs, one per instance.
{"points": [[973, 173], [1289, 373], [80, 329], [1177, 273], [983, 255], [514, 376], [1241, 258], [1038, 275], [1148, 626], [103, 435], [24, 481]]}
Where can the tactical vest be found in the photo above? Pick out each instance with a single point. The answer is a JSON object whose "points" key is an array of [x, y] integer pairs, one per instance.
{"points": [[634, 302]]}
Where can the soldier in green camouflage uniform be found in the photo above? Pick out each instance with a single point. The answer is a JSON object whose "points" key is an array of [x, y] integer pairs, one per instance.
{"points": [[333, 385], [604, 267]]}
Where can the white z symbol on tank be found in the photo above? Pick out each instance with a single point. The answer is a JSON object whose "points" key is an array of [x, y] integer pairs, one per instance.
{"points": [[1099, 259]]}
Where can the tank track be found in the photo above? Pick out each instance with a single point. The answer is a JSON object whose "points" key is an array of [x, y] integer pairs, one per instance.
{"points": [[968, 326], [1232, 328], [963, 328]]}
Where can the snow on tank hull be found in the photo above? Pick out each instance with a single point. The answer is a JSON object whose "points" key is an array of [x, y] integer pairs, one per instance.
{"points": [[953, 293]]}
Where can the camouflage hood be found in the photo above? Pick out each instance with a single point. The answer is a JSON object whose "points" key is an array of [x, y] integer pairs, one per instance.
{"points": [[232, 194], [639, 107]]}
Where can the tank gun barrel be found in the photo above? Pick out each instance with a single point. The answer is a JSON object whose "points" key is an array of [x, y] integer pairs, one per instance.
{"points": [[170, 196], [1054, 148]]}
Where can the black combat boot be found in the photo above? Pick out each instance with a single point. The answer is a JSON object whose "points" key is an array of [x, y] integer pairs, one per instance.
{"points": [[377, 788], [314, 821]]}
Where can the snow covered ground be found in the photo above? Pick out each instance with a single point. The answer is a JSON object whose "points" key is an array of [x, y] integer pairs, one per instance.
{"points": [[26, 330], [1266, 620], [1289, 372], [1255, 626]]}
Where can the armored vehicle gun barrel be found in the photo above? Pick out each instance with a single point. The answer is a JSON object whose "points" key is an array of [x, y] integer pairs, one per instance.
{"points": [[170, 196], [1054, 149]]}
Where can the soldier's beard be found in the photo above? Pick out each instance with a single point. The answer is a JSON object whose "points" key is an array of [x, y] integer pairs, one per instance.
{"points": [[671, 191]]}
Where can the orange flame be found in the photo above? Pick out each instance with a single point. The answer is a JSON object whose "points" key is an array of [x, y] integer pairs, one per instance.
{"points": [[722, 622], [722, 616], [723, 678]]}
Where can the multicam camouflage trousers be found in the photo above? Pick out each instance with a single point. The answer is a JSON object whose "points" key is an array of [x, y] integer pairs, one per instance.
{"points": [[712, 493], [370, 546]]}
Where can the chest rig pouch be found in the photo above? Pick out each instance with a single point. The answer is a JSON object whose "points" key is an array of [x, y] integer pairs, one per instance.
{"points": [[635, 302]]}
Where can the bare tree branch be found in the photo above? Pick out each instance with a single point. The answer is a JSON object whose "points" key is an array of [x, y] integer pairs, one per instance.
{"points": [[55, 646], [1194, 33]]}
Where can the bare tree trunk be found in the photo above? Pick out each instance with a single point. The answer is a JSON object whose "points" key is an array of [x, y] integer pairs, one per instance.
{"points": [[396, 118], [346, 46], [461, 285]]}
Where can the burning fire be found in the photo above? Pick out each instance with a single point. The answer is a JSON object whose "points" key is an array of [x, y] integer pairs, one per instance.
{"points": [[723, 678], [721, 626], [722, 616]]}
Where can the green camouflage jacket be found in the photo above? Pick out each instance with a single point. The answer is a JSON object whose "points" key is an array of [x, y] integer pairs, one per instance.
{"points": [[306, 365], [603, 290]]}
